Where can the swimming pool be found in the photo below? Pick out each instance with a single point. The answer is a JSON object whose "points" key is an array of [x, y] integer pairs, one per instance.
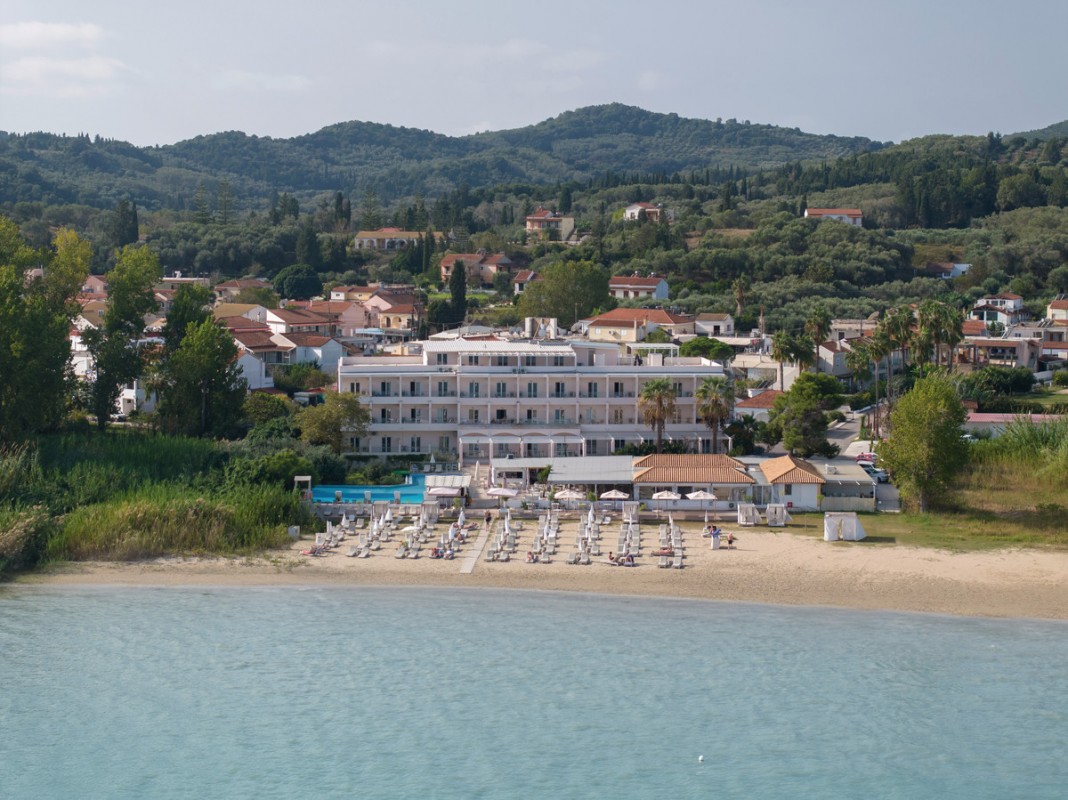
{"points": [[410, 492]]}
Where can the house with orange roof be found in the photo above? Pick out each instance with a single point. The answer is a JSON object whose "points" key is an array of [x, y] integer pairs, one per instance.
{"points": [[758, 406], [794, 482], [227, 291], [632, 325], [725, 477], [850, 216], [482, 267], [629, 287], [354, 294], [1057, 310], [523, 279], [546, 224]]}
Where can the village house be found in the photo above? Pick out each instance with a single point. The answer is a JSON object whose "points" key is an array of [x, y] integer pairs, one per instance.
{"points": [[758, 405], [173, 282], [946, 270], [629, 287], [296, 320], [633, 212], [522, 279], [227, 291], [546, 224], [1005, 308], [632, 325], [794, 482], [482, 267], [714, 324], [850, 216], [387, 239], [832, 358], [354, 294], [1057, 310]]}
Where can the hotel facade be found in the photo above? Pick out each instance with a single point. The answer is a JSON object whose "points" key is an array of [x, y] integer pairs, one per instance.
{"points": [[490, 398]]}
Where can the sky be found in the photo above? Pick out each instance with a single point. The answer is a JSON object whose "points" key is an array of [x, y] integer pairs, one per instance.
{"points": [[158, 73]]}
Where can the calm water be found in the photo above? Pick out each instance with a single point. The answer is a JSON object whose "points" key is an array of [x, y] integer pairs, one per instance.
{"points": [[410, 493], [336, 692]]}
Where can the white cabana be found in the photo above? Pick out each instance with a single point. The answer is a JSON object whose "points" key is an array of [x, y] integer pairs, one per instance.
{"points": [[842, 526], [776, 515], [748, 515]]}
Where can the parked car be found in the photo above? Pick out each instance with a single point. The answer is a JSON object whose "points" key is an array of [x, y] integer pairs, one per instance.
{"points": [[880, 475], [871, 458]]}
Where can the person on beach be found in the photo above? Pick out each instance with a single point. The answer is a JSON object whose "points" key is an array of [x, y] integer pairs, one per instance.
{"points": [[489, 519], [730, 541]]}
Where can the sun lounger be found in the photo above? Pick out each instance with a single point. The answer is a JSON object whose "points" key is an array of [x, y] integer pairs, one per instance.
{"points": [[401, 553], [586, 560], [665, 561], [491, 555], [573, 558], [503, 556], [366, 552], [353, 551], [677, 563]]}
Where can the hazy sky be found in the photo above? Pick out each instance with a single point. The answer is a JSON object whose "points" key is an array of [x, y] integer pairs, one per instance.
{"points": [[157, 73]]}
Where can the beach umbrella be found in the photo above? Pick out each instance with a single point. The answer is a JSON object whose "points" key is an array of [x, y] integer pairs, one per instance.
{"points": [[702, 495], [388, 516], [614, 494], [667, 494], [502, 491], [569, 494]]}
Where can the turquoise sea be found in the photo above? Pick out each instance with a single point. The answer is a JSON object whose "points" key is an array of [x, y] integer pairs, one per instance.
{"points": [[363, 693]]}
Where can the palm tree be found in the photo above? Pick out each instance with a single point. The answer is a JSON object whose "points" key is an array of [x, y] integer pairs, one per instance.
{"points": [[929, 330], [952, 330], [818, 325], [782, 348], [739, 287], [803, 352], [714, 396], [858, 360], [880, 347], [656, 401]]}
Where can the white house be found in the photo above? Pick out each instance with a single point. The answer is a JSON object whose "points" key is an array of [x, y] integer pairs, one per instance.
{"points": [[629, 287], [713, 324], [850, 216], [633, 212]]}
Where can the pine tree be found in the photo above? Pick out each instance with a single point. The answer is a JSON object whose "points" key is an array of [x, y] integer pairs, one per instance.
{"points": [[224, 202], [201, 206]]}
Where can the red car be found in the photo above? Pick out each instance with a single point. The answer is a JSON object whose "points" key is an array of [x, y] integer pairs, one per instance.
{"points": [[871, 458]]}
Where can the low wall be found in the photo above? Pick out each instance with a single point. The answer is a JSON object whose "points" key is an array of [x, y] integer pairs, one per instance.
{"points": [[848, 504]]}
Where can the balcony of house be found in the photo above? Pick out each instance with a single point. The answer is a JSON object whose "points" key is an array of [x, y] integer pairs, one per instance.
{"points": [[424, 421]]}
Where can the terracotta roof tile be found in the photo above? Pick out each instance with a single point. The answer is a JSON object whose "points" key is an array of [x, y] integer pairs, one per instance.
{"points": [[789, 469]]}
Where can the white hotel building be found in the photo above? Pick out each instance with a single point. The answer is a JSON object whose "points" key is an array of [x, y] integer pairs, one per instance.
{"points": [[488, 398]]}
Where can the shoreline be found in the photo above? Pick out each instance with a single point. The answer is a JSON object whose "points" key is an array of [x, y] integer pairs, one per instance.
{"points": [[766, 567]]}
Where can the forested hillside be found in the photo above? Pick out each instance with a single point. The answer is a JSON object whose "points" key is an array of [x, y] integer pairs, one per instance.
{"points": [[395, 162]]}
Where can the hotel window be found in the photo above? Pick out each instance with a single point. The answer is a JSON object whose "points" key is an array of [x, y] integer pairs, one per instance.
{"points": [[532, 389], [559, 390], [617, 416], [443, 388], [472, 361], [442, 358], [385, 389], [591, 447], [501, 361], [502, 414], [472, 415], [678, 389], [385, 416], [443, 415], [354, 388], [443, 443], [558, 361], [416, 414], [532, 414], [558, 415], [472, 390], [529, 361], [617, 389], [591, 389], [417, 444], [387, 444], [501, 390]]}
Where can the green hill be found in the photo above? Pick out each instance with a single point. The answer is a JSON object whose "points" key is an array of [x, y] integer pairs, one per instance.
{"points": [[351, 156], [1058, 130]]}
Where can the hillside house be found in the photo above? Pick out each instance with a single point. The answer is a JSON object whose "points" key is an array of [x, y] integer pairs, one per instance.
{"points": [[633, 212], [850, 216], [629, 287], [1005, 308], [546, 224], [714, 324], [946, 270], [523, 279], [227, 291], [482, 267]]}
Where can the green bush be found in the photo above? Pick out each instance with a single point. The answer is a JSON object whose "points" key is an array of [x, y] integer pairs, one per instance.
{"points": [[1060, 378]]}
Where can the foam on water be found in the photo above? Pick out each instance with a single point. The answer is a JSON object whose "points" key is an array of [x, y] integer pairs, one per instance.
{"points": [[337, 692]]}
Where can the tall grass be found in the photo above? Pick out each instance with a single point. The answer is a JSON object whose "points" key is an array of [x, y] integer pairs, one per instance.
{"points": [[1039, 450], [166, 519]]}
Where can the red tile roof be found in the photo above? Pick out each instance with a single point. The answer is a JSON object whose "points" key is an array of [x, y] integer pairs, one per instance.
{"points": [[624, 316], [845, 212], [1059, 305], [621, 281], [766, 399]]}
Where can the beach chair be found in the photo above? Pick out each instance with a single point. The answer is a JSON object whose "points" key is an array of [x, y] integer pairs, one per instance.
{"points": [[401, 553], [573, 558], [665, 561], [503, 556], [491, 555], [544, 559], [585, 561], [677, 563], [366, 552], [353, 552]]}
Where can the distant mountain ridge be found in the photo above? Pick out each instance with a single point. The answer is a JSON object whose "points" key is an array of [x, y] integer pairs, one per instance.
{"points": [[395, 161]]}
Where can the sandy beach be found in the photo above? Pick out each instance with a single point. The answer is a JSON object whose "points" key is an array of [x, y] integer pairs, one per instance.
{"points": [[764, 567]]}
